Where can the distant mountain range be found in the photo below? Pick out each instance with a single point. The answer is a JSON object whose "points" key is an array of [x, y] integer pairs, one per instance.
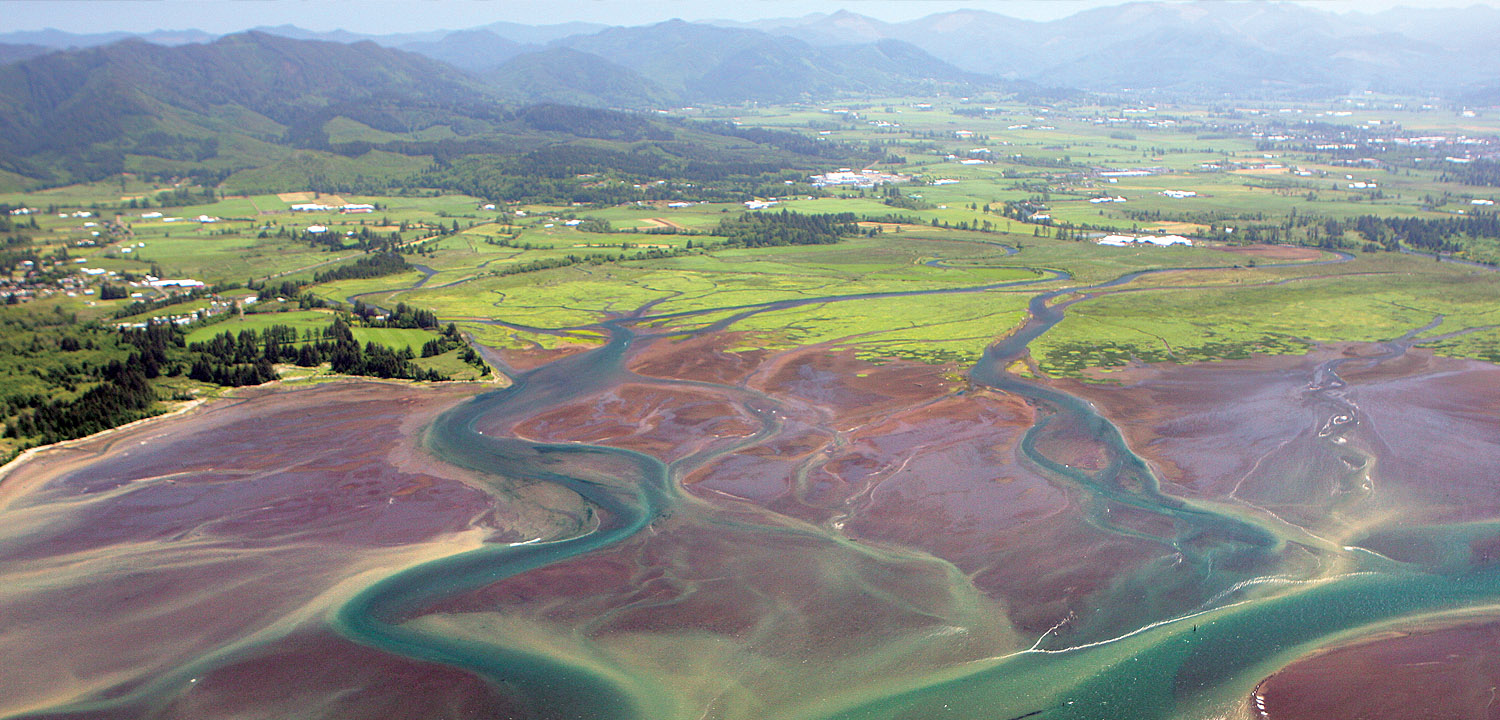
{"points": [[300, 113], [183, 101], [670, 63], [82, 111], [1243, 48], [515, 32], [699, 62]]}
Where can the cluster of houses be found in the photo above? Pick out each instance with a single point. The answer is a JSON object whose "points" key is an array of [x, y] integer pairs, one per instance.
{"points": [[30, 281], [1138, 240], [845, 177], [154, 215], [35, 280], [1379, 137], [1179, 194], [347, 208], [162, 284], [1117, 173], [216, 306], [1155, 121], [976, 156]]}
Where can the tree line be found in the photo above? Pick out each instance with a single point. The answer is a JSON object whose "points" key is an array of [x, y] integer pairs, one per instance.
{"points": [[246, 358], [370, 266], [117, 391], [769, 229]]}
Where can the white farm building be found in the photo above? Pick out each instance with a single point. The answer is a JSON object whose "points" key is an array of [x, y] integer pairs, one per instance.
{"points": [[1134, 240]]}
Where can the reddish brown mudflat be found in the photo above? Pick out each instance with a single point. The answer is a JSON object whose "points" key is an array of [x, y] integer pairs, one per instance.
{"points": [[1439, 673], [132, 553]]}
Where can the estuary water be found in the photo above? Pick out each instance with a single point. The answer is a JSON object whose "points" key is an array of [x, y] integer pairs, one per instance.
{"points": [[1184, 637], [1228, 591]]}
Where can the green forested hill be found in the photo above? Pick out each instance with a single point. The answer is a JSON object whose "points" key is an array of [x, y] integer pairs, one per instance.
{"points": [[312, 111], [705, 62], [21, 51], [474, 50], [564, 75], [80, 114], [259, 112]]}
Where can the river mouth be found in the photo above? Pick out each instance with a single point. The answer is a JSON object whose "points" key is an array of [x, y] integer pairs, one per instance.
{"points": [[669, 526]]}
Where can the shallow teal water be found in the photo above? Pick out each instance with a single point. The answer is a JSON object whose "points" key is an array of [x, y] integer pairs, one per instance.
{"points": [[1181, 637], [1134, 665], [1121, 664]]}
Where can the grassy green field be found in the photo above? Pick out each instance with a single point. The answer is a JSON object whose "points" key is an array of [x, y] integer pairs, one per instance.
{"points": [[1371, 299], [301, 320], [1048, 155], [395, 338]]}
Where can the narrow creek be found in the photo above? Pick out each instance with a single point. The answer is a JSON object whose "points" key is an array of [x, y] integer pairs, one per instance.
{"points": [[1186, 639]]}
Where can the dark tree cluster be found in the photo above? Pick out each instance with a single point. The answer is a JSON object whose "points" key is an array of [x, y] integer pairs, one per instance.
{"points": [[406, 316], [10, 259], [113, 292], [443, 343], [266, 291], [786, 228], [365, 267], [124, 395], [1479, 172], [1437, 235], [347, 356], [892, 196], [247, 358]]}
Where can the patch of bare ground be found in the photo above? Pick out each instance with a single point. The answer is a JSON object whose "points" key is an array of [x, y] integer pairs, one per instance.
{"points": [[136, 551], [1277, 253], [1425, 672], [715, 358]]}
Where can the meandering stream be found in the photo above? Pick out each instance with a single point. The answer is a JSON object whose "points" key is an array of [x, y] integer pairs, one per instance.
{"points": [[1135, 663], [1231, 593]]}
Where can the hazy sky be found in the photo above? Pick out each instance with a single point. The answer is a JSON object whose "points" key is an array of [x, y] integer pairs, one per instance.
{"points": [[385, 16]]}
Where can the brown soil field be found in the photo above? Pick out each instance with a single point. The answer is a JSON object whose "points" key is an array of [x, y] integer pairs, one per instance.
{"points": [[1280, 253]]}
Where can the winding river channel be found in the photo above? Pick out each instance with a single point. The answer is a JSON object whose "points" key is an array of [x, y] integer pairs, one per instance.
{"points": [[1231, 593], [1193, 663]]}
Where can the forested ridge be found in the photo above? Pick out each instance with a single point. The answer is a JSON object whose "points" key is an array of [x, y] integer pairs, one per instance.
{"points": [[84, 114]]}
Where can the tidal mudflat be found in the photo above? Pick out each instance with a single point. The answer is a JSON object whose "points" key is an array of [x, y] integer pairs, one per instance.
{"points": [[673, 524]]}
